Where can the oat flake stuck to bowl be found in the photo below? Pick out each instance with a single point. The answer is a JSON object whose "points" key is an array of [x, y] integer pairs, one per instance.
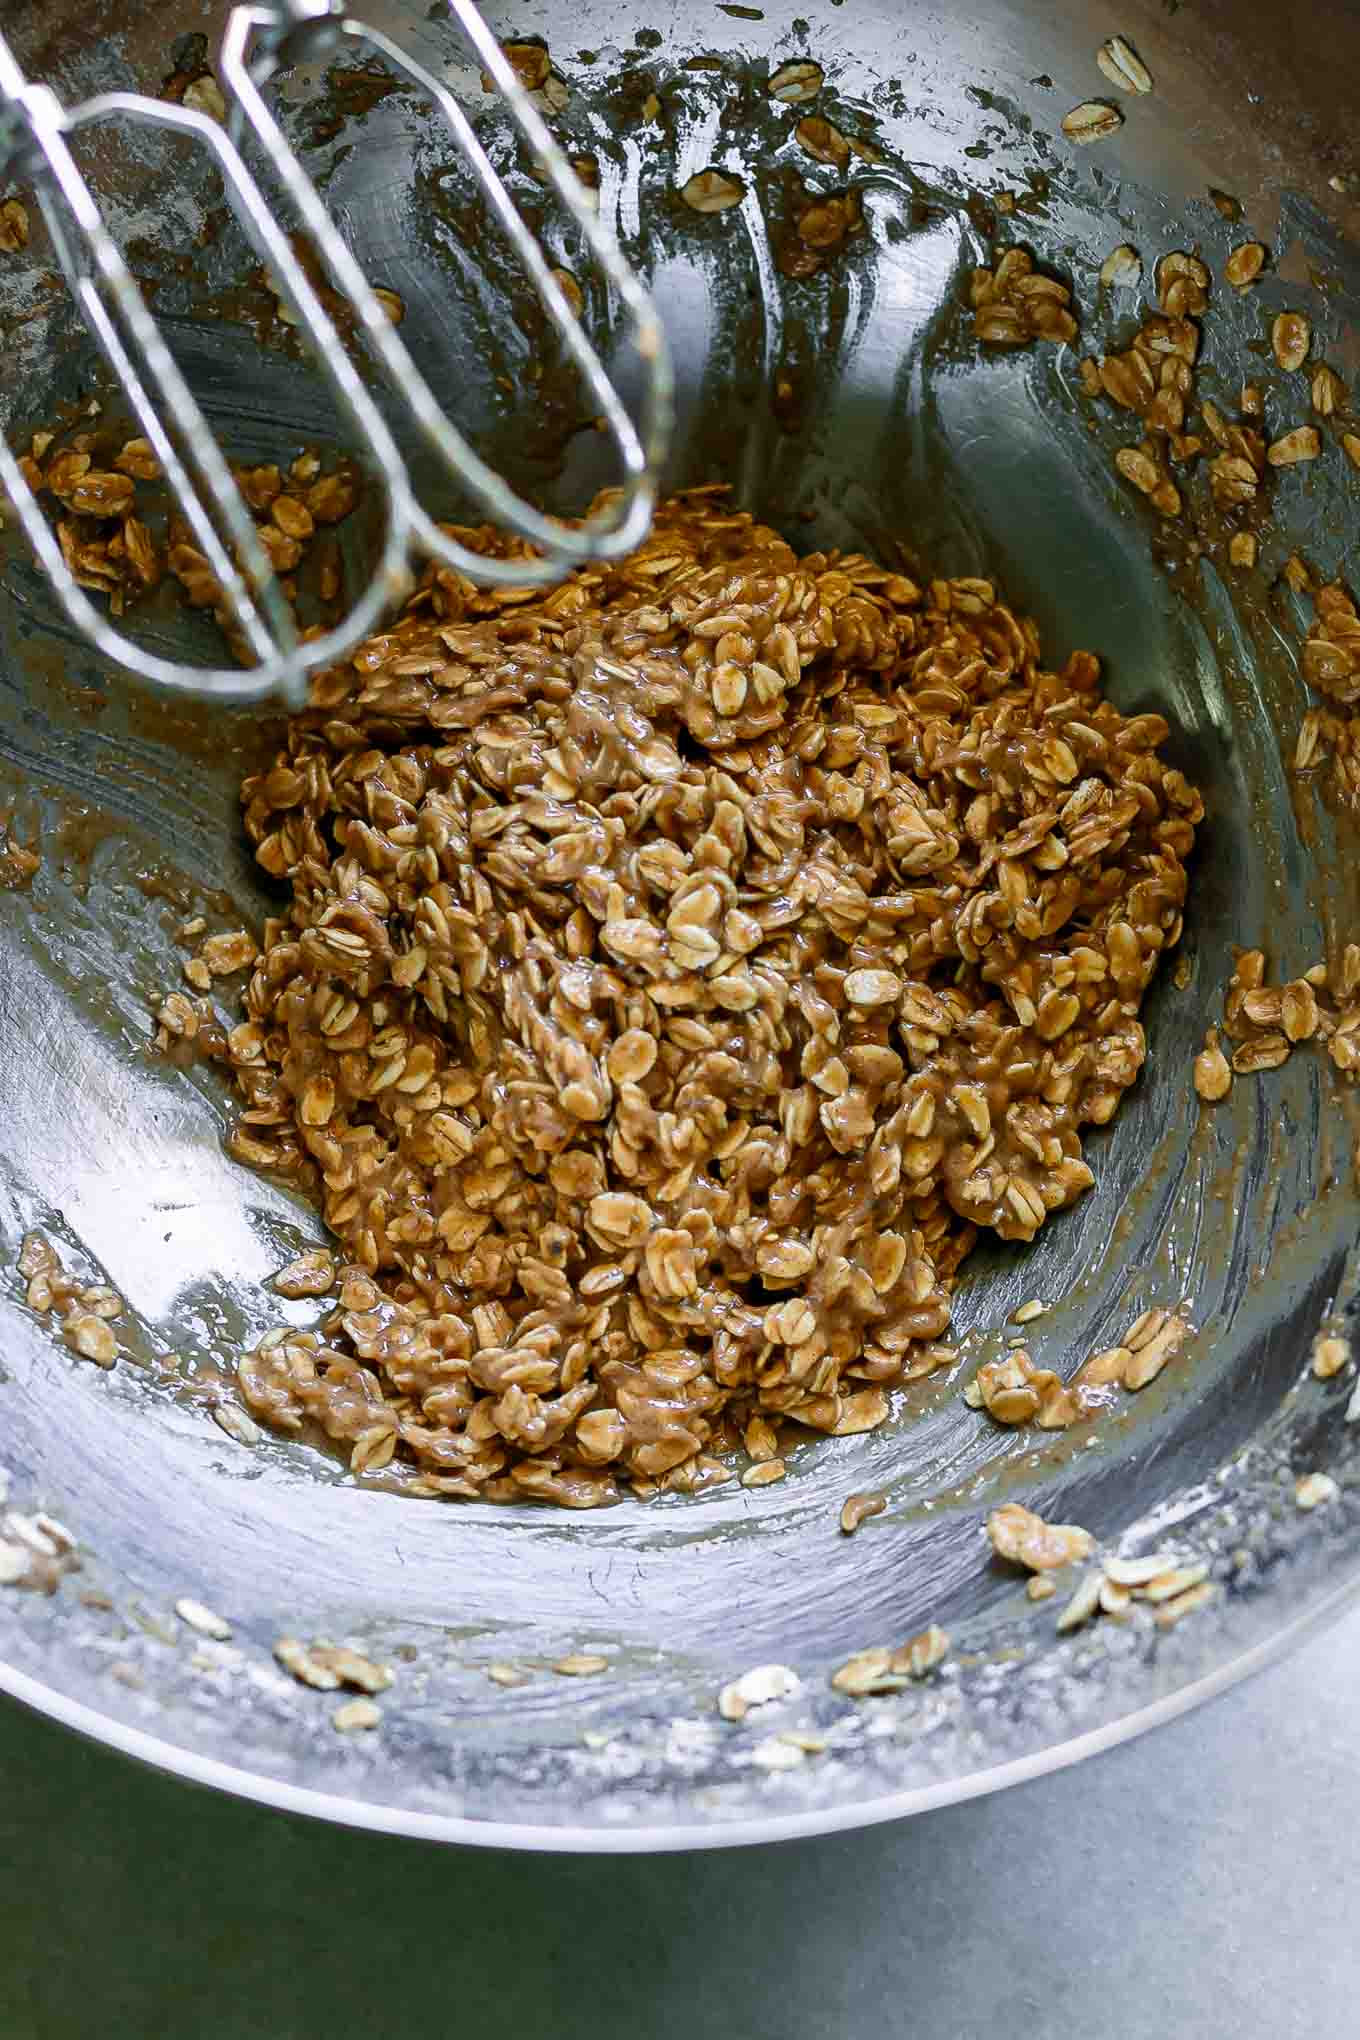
{"points": [[682, 965]]}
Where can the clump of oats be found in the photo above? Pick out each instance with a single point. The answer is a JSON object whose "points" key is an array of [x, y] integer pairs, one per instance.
{"points": [[658, 949], [1123, 66], [1014, 1391], [311, 1274], [225, 954], [1018, 1534], [1015, 304], [36, 1552], [820, 228], [327, 1666], [1319, 1008], [881, 1669], [1331, 664], [1117, 1588], [1182, 284], [83, 1307]]}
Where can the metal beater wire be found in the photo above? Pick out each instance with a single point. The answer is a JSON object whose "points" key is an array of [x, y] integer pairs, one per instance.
{"points": [[249, 57], [257, 43]]}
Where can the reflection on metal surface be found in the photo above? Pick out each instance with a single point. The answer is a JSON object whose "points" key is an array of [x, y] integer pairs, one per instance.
{"points": [[893, 432]]}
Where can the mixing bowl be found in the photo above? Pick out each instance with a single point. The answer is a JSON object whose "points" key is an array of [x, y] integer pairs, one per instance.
{"points": [[850, 407]]}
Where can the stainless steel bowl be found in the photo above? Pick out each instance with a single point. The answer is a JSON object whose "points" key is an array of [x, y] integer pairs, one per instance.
{"points": [[890, 431]]}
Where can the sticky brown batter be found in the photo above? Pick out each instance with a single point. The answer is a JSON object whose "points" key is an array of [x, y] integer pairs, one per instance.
{"points": [[677, 968]]}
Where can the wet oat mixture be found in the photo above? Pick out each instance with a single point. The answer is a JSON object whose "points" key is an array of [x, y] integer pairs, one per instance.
{"points": [[678, 968]]}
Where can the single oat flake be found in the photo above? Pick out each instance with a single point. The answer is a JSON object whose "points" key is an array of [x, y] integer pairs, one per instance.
{"points": [[823, 142], [712, 191], [501, 1674], [1291, 336], [1302, 443], [1213, 1071], [1092, 121], [757, 1688], [1327, 390], [205, 1620], [1123, 266], [1244, 265], [237, 1425], [858, 1508], [1083, 1605], [356, 1715], [794, 84], [1330, 1355]]}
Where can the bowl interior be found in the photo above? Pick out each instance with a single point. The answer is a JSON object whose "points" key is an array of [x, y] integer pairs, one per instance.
{"points": [[850, 408]]}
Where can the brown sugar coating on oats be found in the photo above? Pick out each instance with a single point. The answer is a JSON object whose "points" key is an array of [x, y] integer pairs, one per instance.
{"points": [[679, 966]]}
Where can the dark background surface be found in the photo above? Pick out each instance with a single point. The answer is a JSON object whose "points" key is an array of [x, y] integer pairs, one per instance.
{"points": [[1200, 1881]]}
